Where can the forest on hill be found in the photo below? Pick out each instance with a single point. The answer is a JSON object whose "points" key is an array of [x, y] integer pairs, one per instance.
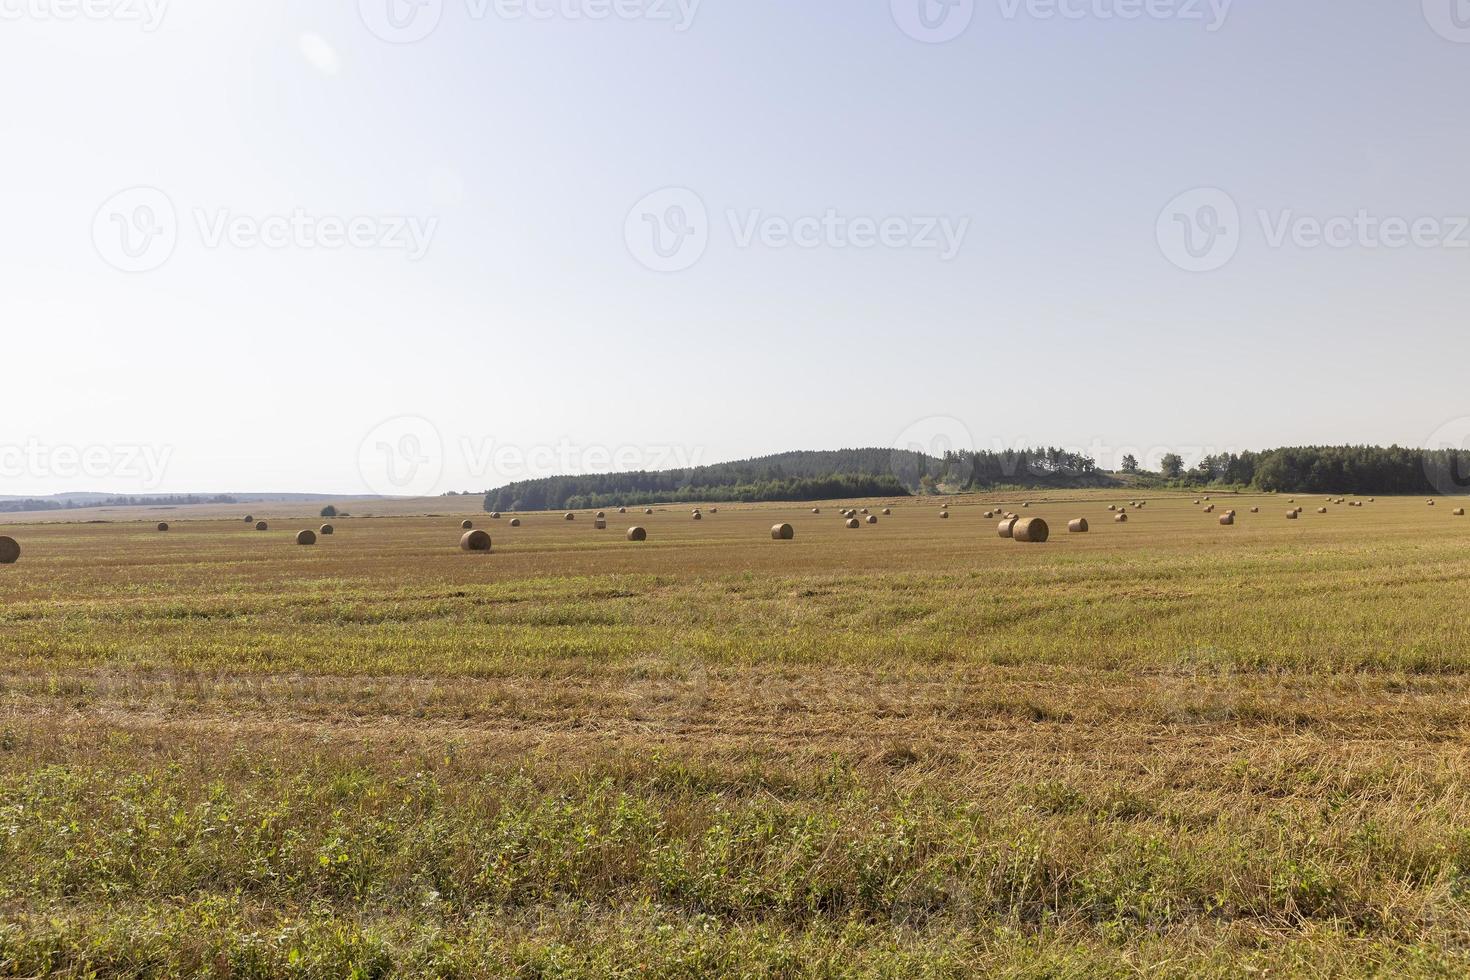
{"points": [[800, 476], [852, 473]]}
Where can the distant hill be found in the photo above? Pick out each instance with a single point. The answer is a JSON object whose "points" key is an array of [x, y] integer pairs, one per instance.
{"points": [[12, 504], [815, 475]]}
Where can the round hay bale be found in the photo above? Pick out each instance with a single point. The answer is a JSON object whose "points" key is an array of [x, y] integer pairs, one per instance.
{"points": [[1079, 526], [495, 515], [622, 510], [852, 524], [1292, 514], [1032, 530], [872, 518], [9, 551], [782, 532], [1255, 510], [647, 511], [262, 526], [944, 515], [887, 511], [944, 506], [1430, 502], [515, 522], [1122, 518], [249, 519], [637, 534], [698, 516], [1025, 505], [306, 537], [570, 516], [475, 541], [1210, 509], [1111, 507], [714, 510], [1321, 510], [467, 525], [1227, 519], [1142, 504], [990, 515], [1207, 498], [600, 524], [1007, 527], [865, 511], [1458, 512], [326, 530], [816, 510], [162, 526], [600, 514]]}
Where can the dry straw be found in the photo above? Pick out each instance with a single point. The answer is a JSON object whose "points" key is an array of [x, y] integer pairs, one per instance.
{"points": [[1079, 526], [852, 523], [515, 522], [9, 551], [249, 519], [1293, 514], [637, 534], [944, 515], [262, 526], [467, 525], [1122, 518], [326, 529], [872, 518], [1007, 527], [1032, 530], [475, 541], [1227, 519], [782, 532], [306, 537], [570, 517]]}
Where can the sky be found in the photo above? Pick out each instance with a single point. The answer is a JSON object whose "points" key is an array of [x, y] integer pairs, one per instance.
{"points": [[412, 246]]}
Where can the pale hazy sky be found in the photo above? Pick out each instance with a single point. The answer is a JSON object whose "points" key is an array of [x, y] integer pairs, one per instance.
{"points": [[409, 246]]}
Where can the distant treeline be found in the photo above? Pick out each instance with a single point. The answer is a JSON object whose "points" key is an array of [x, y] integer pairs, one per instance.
{"points": [[803, 476], [16, 506], [1336, 469]]}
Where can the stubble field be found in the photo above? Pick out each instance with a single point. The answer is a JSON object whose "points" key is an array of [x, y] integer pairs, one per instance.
{"points": [[912, 749]]}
